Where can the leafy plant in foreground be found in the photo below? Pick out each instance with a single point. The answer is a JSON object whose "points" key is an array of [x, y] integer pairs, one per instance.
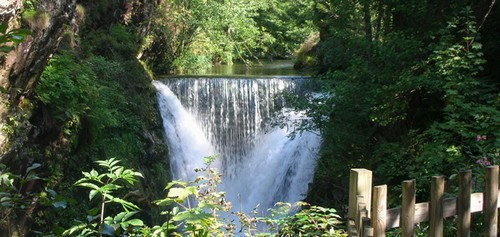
{"points": [[103, 186], [18, 198], [197, 206], [195, 209]]}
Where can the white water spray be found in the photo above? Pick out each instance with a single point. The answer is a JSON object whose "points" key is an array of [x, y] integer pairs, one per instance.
{"points": [[230, 117], [185, 139]]}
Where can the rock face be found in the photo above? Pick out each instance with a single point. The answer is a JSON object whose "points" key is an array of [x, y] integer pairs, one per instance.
{"points": [[22, 67], [19, 72]]}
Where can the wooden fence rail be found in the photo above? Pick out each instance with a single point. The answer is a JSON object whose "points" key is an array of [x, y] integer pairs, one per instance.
{"points": [[370, 217]]}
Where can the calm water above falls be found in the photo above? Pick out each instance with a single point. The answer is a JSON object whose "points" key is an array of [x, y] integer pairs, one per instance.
{"points": [[231, 118], [261, 68]]}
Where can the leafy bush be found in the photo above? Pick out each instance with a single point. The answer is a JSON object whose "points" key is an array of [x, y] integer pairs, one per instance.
{"points": [[103, 186], [117, 42], [192, 63], [66, 87], [193, 209], [17, 198], [400, 98]]}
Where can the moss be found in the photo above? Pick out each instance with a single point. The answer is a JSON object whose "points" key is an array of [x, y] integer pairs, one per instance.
{"points": [[305, 55], [36, 20]]}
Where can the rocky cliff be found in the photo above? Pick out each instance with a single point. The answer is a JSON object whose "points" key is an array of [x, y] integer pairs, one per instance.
{"points": [[32, 134], [22, 67]]}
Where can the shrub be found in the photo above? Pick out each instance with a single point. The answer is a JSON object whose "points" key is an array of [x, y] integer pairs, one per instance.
{"points": [[194, 209]]}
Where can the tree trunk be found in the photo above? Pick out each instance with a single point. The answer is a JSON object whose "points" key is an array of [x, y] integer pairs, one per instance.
{"points": [[368, 20]]}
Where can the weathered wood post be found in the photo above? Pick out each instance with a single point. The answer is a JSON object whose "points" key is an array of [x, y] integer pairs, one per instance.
{"points": [[360, 215], [408, 208], [436, 206], [491, 202], [463, 204], [367, 229], [363, 228], [360, 184], [379, 211]]}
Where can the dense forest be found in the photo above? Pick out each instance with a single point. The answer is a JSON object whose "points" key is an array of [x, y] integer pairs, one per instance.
{"points": [[409, 89]]}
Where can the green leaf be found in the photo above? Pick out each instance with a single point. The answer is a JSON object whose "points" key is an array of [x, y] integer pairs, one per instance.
{"points": [[113, 162], [93, 211], [33, 166], [119, 217], [107, 229], [130, 214], [92, 194], [6, 49], [3, 28], [111, 187], [94, 174], [165, 202], [125, 204], [60, 204], [135, 222], [32, 177], [118, 172], [23, 32], [17, 38], [74, 229], [52, 192], [89, 185], [179, 193]]}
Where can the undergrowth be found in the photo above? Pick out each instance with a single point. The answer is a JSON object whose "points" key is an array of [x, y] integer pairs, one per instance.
{"points": [[193, 208]]}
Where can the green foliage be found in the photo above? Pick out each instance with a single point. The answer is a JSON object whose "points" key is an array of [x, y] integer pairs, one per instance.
{"points": [[198, 206], [118, 42], [93, 99], [103, 186], [193, 34], [95, 107], [16, 196], [195, 209], [290, 23], [66, 87], [91, 95], [192, 62], [305, 220], [9, 39], [401, 93]]}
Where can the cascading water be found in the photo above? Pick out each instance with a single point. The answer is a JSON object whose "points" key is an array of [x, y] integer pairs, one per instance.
{"points": [[231, 117]]}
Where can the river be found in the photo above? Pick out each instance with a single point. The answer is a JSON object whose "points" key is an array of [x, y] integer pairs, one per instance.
{"points": [[261, 68]]}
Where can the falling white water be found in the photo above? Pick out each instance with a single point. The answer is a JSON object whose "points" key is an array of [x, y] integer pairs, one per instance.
{"points": [[230, 117], [185, 139]]}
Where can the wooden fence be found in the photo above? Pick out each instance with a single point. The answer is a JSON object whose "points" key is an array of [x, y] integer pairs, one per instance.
{"points": [[369, 216]]}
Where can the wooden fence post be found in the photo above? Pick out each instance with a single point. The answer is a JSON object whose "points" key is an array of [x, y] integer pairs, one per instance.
{"points": [[436, 206], [490, 202], [463, 204], [408, 208], [360, 183], [360, 215], [379, 211], [367, 229]]}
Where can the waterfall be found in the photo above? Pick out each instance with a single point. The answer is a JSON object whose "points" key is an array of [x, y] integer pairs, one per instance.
{"points": [[232, 118]]}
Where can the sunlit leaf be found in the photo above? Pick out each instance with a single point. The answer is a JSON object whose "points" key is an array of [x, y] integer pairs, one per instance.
{"points": [[59, 204], [33, 166], [92, 194]]}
